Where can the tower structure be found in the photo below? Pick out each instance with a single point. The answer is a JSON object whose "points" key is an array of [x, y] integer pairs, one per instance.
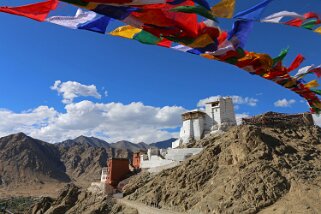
{"points": [[221, 113], [218, 115]]}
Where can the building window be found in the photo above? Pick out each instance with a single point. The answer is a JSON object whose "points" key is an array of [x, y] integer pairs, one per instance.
{"points": [[215, 104]]}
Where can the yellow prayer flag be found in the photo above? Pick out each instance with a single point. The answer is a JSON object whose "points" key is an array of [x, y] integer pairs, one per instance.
{"points": [[91, 6], [209, 56], [201, 41], [224, 9], [318, 30], [127, 31], [291, 83], [263, 60], [312, 84]]}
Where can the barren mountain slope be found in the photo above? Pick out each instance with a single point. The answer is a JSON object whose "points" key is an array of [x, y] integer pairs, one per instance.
{"points": [[245, 170], [84, 158], [26, 161], [83, 162]]}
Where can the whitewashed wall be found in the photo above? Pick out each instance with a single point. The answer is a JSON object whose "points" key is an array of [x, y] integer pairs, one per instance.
{"points": [[181, 154]]}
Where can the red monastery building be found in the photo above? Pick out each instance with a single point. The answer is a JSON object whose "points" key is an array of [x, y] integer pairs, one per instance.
{"points": [[118, 170]]}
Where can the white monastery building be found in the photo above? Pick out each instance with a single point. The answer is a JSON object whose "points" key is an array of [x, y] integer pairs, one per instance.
{"points": [[218, 115]]}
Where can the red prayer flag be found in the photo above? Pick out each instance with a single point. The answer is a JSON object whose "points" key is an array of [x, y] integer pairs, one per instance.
{"points": [[295, 22], [316, 71], [212, 31], [311, 15], [165, 43], [38, 11], [222, 37], [159, 20], [296, 63], [298, 22]]}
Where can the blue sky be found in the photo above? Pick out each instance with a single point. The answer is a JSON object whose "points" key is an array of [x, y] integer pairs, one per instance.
{"points": [[34, 55]]}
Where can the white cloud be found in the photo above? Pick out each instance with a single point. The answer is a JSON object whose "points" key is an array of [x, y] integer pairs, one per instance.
{"points": [[240, 116], [11, 122], [71, 90], [135, 122], [245, 101], [283, 103], [237, 100]]}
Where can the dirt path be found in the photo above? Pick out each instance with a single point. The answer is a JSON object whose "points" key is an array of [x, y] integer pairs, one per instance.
{"points": [[143, 209]]}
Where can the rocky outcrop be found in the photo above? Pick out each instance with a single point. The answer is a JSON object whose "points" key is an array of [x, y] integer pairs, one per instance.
{"points": [[274, 119], [74, 200]]}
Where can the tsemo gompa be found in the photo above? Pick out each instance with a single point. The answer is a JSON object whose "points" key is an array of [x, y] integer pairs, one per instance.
{"points": [[218, 115]]}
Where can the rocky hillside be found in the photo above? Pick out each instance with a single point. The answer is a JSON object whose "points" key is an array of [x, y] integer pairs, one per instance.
{"points": [[25, 161], [248, 169], [83, 162], [74, 200]]}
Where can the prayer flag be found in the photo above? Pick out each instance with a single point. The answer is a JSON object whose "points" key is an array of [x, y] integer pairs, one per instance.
{"points": [[224, 9], [253, 13], [38, 11]]}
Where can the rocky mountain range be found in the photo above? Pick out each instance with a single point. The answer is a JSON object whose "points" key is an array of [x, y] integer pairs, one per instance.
{"points": [[26, 162], [123, 144], [83, 140]]}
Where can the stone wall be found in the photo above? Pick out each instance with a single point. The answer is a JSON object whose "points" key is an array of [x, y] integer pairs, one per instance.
{"points": [[154, 162], [279, 119]]}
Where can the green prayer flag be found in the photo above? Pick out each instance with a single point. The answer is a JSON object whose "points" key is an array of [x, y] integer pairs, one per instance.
{"points": [[309, 24], [317, 91], [281, 56], [147, 38]]}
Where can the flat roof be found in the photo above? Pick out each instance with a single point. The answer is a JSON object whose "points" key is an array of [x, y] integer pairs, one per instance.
{"points": [[193, 112], [218, 100]]}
